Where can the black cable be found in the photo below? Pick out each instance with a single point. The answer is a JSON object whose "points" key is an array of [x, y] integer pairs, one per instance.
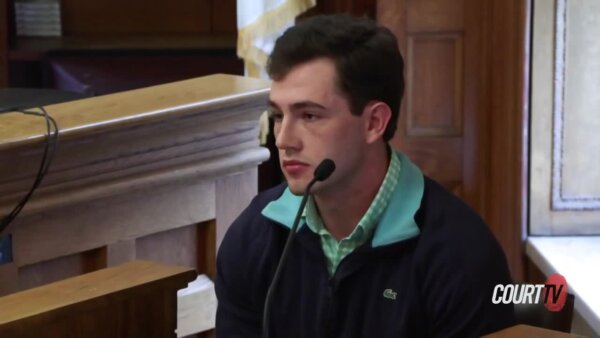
{"points": [[322, 172], [282, 260], [50, 146]]}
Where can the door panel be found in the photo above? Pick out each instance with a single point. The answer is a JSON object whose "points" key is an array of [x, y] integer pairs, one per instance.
{"points": [[434, 85], [465, 103], [438, 46]]}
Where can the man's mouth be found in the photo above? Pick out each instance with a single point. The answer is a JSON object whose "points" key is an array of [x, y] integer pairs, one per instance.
{"points": [[294, 168]]}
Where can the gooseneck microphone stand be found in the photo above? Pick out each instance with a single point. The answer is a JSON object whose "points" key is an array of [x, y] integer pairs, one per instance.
{"points": [[322, 172]]}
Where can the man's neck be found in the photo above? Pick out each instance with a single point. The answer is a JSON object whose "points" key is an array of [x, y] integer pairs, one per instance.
{"points": [[342, 210]]}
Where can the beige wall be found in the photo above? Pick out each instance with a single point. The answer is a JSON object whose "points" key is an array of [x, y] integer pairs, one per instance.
{"points": [[565, 111]]}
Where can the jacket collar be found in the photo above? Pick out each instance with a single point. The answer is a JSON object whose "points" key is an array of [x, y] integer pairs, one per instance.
{"points": [[397, 222]]}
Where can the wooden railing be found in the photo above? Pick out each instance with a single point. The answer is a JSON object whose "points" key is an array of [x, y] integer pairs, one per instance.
{"points": [[136, 299], [155, 174]]}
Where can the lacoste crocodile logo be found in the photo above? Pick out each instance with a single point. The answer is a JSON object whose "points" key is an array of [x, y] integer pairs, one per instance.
{"points": [[390, 294]]}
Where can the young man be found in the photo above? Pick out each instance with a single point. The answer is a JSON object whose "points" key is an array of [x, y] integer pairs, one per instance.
{"points": [[381, 251]]}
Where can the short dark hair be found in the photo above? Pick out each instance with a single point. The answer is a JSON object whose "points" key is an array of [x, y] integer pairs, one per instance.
{"points": [[366, 56]]}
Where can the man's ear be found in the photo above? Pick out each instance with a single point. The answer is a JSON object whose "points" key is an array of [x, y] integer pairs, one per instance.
{"points": [[377, 117]]}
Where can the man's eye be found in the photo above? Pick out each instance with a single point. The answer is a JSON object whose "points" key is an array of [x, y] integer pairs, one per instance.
{"points": [[309, 116]]}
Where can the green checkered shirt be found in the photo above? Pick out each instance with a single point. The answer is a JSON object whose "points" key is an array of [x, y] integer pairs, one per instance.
{"points": [[336, 251]]}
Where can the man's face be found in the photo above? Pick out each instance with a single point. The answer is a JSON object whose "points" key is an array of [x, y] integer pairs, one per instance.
{"points": [[313, 122]]}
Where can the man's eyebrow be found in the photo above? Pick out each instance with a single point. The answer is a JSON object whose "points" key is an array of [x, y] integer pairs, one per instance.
{"points": [[298, 105], [307, 104], [273, 105]]}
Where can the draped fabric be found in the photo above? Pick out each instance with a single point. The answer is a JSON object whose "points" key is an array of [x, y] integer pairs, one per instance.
{"points": [[260, 23]]}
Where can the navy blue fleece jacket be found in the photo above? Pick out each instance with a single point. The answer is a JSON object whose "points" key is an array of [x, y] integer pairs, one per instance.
{"points": [[429, 271]]}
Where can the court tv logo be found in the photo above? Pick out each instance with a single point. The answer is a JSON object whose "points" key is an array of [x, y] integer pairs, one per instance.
{"points": [[553, 293]]}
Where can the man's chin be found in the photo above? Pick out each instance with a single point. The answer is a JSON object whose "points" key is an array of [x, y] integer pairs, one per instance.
{"points": [[297, 189]]}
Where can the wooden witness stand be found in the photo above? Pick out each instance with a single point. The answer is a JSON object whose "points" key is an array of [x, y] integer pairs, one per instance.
{"points": [[155, 174], [136, 299]]}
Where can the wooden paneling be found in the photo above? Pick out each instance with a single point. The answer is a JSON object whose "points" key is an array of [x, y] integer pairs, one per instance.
{"points": [[353, 7], [475, 122], [138, 299], [431, 36], [131, 195], [182, 27], [60, 268], [223, 16], [463, 120], [207, 239], [10, 278], [433, 153], [119, 252], [114, 17], [435, 15], [146, 187], [3, 43], [507, 51], [233, 194], [175, 246], [131, 215], [434, 85]]}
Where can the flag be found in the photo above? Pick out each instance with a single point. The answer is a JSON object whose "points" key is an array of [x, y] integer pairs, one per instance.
{"points": [[260, 23]]}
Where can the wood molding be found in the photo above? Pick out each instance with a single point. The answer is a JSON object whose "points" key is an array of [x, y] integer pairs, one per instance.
{"points": [[506, 26], [443, 56], [204, 128]]}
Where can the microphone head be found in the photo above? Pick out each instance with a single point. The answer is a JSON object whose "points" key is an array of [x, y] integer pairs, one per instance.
{"points": [[324, 169]]}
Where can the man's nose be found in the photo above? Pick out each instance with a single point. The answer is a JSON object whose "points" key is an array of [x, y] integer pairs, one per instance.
{"points": [[286, 135]]}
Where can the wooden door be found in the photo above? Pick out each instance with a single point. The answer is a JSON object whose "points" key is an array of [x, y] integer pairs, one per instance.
{"points": [[439, 124], [465, 104]]}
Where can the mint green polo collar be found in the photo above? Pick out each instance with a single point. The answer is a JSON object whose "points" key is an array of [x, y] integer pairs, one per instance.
{"points": [[397, 222]]}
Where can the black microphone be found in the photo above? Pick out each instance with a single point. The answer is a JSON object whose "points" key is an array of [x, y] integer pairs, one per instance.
{"points": [[322, 172]]}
